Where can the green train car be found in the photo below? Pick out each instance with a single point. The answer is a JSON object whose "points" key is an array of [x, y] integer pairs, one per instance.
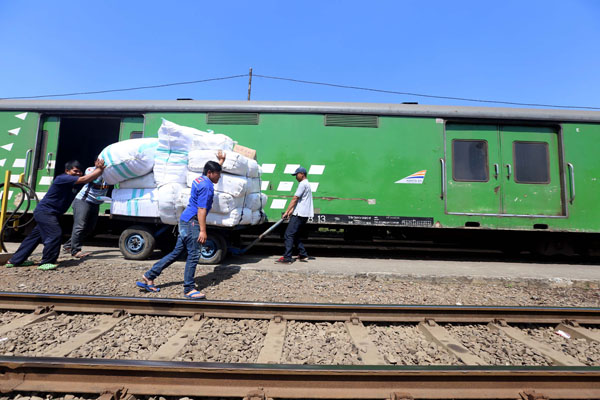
{"points": [[496, 177]]}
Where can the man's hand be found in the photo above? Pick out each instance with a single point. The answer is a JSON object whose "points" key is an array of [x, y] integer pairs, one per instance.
{"points": [[99, 163], [285, 215], [221, 157], [202, 237]]}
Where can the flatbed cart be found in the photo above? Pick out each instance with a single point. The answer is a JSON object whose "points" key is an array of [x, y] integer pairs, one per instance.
{"points": [[138, 241]]}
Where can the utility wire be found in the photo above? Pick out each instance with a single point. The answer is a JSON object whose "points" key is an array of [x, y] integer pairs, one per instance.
{"points": [[309, 83], [421, 95], [127, 89]]}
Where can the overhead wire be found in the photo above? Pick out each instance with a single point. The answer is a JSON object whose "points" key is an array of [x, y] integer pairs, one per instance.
{"points": [[513, 103]]}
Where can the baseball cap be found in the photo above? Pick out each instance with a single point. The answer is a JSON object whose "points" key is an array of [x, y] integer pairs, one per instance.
{"points": [[300, 170]]}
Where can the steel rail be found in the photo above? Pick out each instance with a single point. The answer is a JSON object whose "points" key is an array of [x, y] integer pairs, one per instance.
{"points": [[293, 381], [301, 311]]}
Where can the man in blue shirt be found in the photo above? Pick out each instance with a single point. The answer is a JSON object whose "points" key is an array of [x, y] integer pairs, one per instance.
{"points": [[55, 203], [85, 214], [192, 230]]}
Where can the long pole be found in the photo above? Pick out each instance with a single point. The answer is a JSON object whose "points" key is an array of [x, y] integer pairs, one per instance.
{"points": [[249, 83]]}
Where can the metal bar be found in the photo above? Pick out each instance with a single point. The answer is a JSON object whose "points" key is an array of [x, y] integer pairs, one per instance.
{"points": [[301, 311], [5, 197], [443, 178], [293, 381], [572, 173]]}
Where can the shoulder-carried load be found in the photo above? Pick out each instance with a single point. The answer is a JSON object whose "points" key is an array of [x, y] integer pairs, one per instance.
{"points": [[128, 159]]}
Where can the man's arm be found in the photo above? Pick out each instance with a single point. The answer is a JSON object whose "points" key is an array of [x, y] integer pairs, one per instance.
{"points": [[291, 207], [221, 157], [92, 175], [202, 221]]}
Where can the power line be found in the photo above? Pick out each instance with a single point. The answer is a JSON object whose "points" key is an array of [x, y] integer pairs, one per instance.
{"points": [[126, 89], [309, 83], [421, 95]]}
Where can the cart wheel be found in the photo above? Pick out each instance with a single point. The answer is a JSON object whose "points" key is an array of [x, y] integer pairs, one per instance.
{"points": [[214, 250], [136, 243]]}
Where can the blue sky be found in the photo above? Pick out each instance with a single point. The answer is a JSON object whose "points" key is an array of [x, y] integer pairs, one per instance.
{"points": [[521, 51]]}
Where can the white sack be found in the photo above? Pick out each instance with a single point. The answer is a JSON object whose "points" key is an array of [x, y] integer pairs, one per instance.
{"points": [[211, 141], [253, 169], [170, 166], [238, 216], [231, 184], [128, 159], [255, 201], [168, 195], [258, 217], [176, 137], [234, 163], [253, 185], [135, 202], [223, 203], [143, 182]]}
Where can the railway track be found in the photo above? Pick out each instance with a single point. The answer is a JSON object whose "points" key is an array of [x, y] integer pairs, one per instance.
{"points": [[71, 352]]}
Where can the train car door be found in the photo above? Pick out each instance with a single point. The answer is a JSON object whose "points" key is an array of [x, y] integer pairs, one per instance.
{"points": [[530, 176], [45, 158], [19, 132], [472, 169]]}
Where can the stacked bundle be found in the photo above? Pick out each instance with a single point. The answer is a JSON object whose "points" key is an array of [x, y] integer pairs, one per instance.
{"points": [[153, 181]]}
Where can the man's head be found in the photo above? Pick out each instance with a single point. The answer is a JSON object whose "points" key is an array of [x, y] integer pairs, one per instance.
{"points": [[74, 168], [300, 174], [212, 170]]}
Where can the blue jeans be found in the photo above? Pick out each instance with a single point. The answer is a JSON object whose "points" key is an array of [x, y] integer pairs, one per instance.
{"points": [[187, 241], [292, 237]]}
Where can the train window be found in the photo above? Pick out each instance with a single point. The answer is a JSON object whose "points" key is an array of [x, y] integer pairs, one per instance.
{"points": [[136, 135], [532, 162], [470, 161]]}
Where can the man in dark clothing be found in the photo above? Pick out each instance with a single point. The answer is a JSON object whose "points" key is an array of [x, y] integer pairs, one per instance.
{"points": [[56, 202]]}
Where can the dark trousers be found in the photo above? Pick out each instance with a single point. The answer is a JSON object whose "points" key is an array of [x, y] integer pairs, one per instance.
{"points": [[292, 237], [85, 216], [47, 231]]}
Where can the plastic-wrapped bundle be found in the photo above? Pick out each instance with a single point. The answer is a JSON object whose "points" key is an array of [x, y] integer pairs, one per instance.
{"points": [[168, 196], [135, 202], [143, 182], [234, 163], [170, 166], [231, 184], [253, 169], [128, 159], [258, 217], [255, 201], [211, 141], [253, 185], [238, 216], [176, 137], [223, 203]]}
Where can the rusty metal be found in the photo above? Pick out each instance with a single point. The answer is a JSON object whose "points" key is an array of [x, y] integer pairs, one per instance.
{"points": [[532, 395], [294, 381], [302, 311]]}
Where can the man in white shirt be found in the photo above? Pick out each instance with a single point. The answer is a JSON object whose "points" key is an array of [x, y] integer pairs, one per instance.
{"points": [[299, 211]]}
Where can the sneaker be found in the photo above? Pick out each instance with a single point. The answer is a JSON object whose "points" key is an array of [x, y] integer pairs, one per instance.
{"points": [[47, 267], [25, 263], [302, 258], [283, 260]]}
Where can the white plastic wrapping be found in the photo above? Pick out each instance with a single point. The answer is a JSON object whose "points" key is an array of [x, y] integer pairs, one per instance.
{"points": [[135, 202], [253, 169], [170, 166], [234, 163], [176, 137], [143, 182], [253, 185], [238, 216], [128, 159], [168, 196], [230, 184], [255, 201], [258, 217], [212, 141]]}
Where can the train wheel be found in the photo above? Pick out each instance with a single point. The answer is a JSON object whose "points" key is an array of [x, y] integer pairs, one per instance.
{"points": [[137, 243], [214, 250]]}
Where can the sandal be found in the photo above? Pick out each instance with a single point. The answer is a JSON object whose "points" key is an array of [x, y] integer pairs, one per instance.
{"points": [[47, 267], [195, 295], [25, 263], [147, 287], [80, 255]]}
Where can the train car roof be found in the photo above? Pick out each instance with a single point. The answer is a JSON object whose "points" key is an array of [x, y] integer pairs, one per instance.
{"points": [[383, 109]]}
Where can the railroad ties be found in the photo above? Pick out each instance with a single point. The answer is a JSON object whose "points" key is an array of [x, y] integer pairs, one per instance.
{"points": [[272, 372]]}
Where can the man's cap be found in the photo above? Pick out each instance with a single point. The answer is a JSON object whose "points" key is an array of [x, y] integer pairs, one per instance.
{"points": [[300, 170]]}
